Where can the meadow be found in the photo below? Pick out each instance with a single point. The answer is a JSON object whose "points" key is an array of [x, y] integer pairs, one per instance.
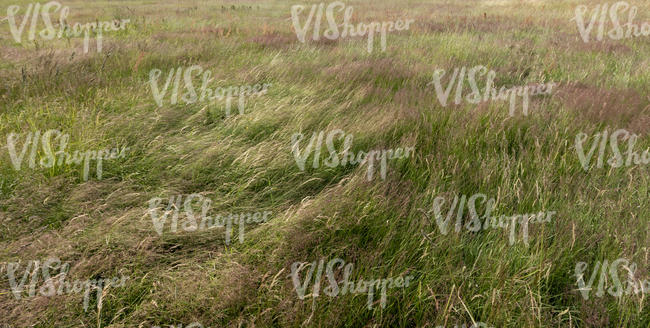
{"points": [[245, 160]]}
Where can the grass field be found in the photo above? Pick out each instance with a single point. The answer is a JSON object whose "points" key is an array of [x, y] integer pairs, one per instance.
{"points": [[243, 163]]}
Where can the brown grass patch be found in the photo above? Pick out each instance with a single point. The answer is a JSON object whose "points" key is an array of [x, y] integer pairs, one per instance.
{"points": [[274, 39], [623, 108]]}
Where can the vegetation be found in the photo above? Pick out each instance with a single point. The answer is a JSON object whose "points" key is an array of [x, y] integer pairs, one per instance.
{"points": [[244, 163]]}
